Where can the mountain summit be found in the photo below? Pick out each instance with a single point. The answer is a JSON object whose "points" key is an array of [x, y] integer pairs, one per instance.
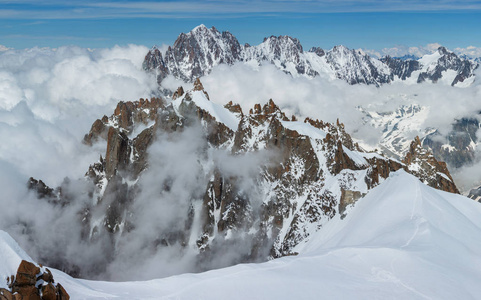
{"points": [[194, 54]]}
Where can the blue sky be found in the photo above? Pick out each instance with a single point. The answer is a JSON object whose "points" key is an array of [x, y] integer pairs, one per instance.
{"points": [[369, 24]]}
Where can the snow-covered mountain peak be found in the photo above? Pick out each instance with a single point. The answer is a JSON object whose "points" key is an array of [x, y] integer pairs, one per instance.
{"points": [[357, 67], [200, 27], [196, 53]]}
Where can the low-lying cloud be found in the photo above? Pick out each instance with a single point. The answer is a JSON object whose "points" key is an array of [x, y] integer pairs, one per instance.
{"points": [[50, 97]]}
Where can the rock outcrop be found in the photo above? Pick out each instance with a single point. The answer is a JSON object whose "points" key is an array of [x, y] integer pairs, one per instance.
{"points": [[421, 163], [33, 282]]}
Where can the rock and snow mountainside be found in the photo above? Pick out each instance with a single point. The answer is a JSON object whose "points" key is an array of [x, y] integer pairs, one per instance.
{"points": [[21, 278], [458, 148], [403, 240], [201, 178], [194, 54]]}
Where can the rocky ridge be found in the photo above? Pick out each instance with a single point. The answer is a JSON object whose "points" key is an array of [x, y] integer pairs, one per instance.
{"points": [[194, 54], [295, 176]]}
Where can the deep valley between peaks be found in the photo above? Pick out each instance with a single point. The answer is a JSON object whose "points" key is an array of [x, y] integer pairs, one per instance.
{"points": [[189, 185]]}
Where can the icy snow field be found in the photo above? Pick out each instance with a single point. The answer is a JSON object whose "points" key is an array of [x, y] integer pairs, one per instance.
{"points": [[404, 240]]}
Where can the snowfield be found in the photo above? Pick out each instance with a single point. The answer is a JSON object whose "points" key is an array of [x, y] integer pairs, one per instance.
{"points": [[404, 240]]}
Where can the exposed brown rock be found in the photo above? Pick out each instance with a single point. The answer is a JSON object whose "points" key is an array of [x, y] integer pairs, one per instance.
{"points": [[26, 274], [118, 152], [380, 168], [348, 198], [235, 108], [178, 93], [49, 292], [6, 294], [47, 276], [199, 87], [28, 283], [29, 292], [62, 293], [342, 160], [99, 129], [421, 163]]}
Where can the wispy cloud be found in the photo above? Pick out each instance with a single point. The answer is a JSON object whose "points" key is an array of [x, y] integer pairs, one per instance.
{"points": [[174, 9]]}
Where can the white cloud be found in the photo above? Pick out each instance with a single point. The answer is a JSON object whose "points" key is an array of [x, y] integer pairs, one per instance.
{"points": [[470, 51], [402, 50], [50, 97]]}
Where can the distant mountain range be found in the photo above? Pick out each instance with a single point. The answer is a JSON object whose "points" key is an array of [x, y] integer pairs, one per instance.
{"points": [[196, 53]]}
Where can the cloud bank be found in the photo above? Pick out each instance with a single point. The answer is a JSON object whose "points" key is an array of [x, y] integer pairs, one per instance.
{"points": [[50, 97]]}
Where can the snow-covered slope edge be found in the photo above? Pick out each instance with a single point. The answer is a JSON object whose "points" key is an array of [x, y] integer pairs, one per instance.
{"points": [[404, 240], [10, 257]]}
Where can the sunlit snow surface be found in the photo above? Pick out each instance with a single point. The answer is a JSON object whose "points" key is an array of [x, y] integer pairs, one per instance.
{"points": [[10, 257], [404, 240]]}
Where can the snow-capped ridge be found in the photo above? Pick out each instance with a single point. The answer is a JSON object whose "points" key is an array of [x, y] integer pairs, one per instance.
{"points": [[196, 53]]}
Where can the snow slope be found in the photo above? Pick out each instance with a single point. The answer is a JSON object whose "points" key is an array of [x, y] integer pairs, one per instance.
{"points": [[10, 257], [404, 240]]}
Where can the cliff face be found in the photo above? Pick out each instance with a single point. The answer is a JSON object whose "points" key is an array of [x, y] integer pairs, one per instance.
{"points": [[206, 179]]}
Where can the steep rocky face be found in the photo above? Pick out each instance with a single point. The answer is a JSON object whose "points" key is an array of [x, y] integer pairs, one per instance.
{"points": [[356, 67], [433, 67], [254, 185], [401, 68], [438, 64], [459, 148], [284, 52], [421, 163], [318, 51], [195, 54]]}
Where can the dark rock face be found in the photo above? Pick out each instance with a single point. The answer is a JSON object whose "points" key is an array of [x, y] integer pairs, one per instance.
{"points": [[31, 283], [458, 150], [194, 54], [475, 194], [356, 67], [449, 61], [401, 68], [41, 189], [319, 51]]}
